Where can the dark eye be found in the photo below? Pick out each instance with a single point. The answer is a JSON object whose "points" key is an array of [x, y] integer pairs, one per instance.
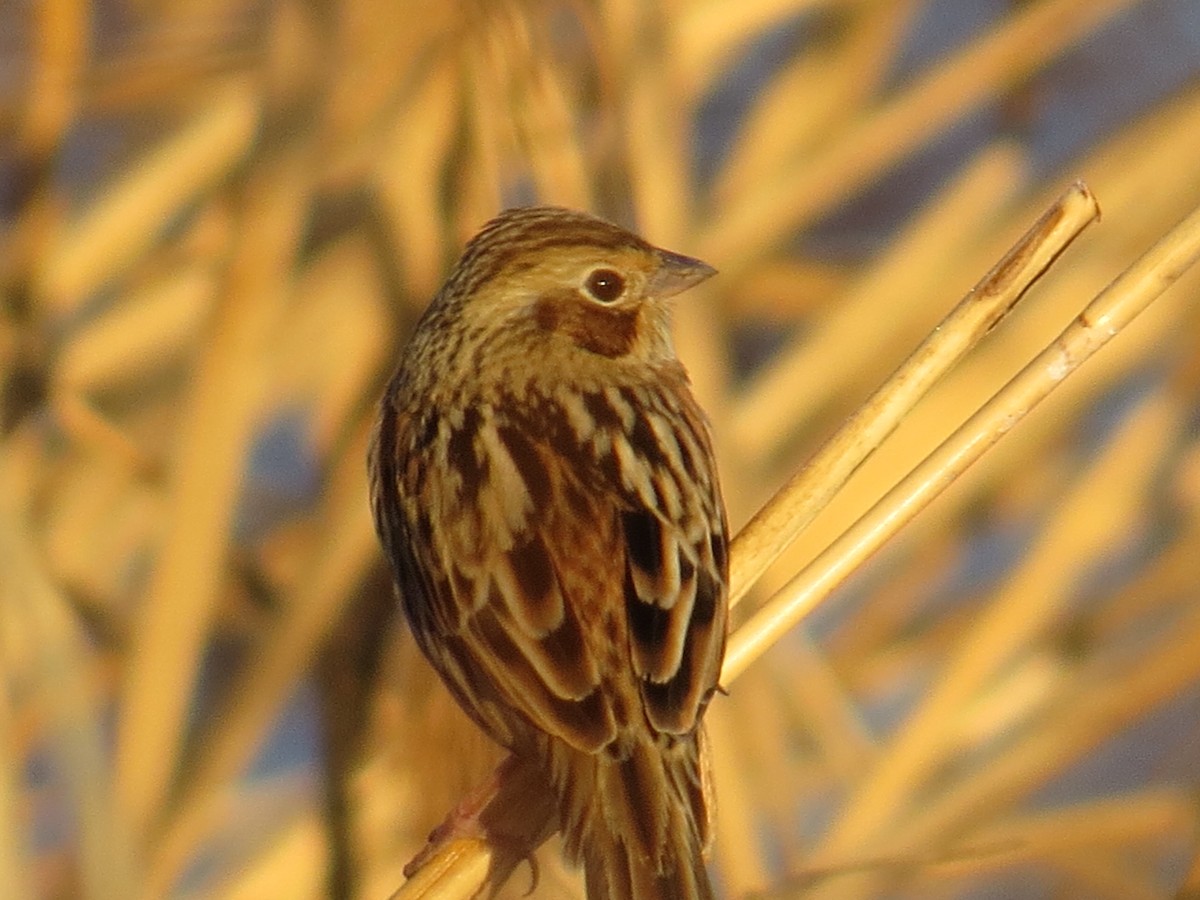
{"points": [[605, 285]]}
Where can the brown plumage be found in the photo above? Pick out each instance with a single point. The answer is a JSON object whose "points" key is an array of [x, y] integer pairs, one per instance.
{"points": [[544, 486]]}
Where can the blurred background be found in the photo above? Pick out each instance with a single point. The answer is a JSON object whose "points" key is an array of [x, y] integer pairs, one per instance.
{"points": [[218, 222]]}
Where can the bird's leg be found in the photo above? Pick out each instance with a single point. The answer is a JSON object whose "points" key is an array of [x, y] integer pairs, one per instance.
{"points": [[511, 811], [462, 822]]}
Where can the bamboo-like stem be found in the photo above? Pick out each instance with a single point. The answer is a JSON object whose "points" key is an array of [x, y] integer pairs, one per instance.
{"points": [[1102, 320], [710, 31], [782, 204], [1088, 520], [1087, 713], [819, 93], [67, 693], [159, 322], [778, 523], [457, 870], [130, 218], [169, 638], [1057, 833], [890, 304], [261, 690]]}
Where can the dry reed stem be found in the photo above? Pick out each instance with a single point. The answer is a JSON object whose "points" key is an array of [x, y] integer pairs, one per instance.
{"points": [[1109, 877], [378, 56], [883, 308], [784, 289], [1131, 169], [150, 329], [1110, 822], [407, 178], [457, 870], [226, 401], [60, 54], [656, 140], [742, 862], [1168, 577], [654, 129], [558, 159], [347, 549], [751, 225], [754, 755], [1086, 521], [64, 690], [965, 389], [818, 93], [1103, 318], [778, 523], [1190, 889], [90, 430], [101, 505], [1094, 829], [710, 31], [355, 332], [292, 866], [1087, 713], [488, 124], [128, 220]]}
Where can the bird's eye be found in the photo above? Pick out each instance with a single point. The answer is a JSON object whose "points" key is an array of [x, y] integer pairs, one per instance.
{"points": [[605, 285]]}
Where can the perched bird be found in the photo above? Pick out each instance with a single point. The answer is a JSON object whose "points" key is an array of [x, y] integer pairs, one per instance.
{"points": [[543, 484]]}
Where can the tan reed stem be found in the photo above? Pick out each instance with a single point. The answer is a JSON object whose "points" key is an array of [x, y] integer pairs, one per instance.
{"points": [[783, 517], [1102, 320]]}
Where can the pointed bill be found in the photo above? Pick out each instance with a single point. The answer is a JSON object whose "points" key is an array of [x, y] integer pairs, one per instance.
{"points": [[677, 273]]}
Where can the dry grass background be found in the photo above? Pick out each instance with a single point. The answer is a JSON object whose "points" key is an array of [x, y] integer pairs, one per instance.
{"points": [[219, 221]]}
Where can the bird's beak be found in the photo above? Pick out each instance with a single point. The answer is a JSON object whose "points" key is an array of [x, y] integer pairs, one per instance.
{"points": [[677, 273]]}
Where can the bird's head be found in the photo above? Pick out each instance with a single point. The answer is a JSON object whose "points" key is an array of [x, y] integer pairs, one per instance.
{"points": [[555, 277]]}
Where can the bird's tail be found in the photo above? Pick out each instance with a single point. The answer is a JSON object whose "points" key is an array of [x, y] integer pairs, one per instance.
{"points": [[639, 823]]}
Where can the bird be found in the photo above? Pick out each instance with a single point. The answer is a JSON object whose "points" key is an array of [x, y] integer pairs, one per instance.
{"points": [[544, 486]]}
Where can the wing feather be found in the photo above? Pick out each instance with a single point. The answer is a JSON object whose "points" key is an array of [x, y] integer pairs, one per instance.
{"points": [[675, 589], [586, 595]]}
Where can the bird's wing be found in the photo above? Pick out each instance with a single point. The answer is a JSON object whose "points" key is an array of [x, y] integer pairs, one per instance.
{"points": [[567, 575]]}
